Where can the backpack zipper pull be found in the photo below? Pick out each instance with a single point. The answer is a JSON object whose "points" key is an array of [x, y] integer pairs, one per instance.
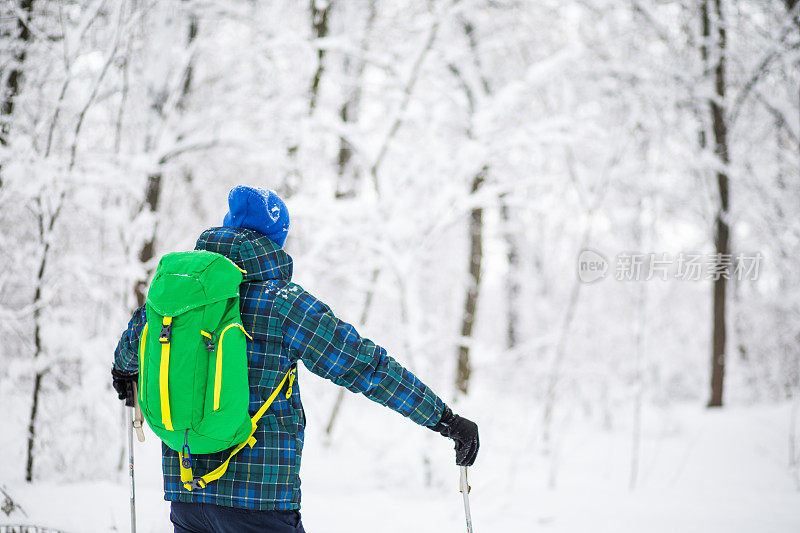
{"points": [[209, 340]]}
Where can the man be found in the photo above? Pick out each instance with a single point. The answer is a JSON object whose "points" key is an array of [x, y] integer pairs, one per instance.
{"points": [[261, 489]]}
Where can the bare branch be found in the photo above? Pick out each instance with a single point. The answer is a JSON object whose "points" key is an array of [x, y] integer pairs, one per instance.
{"points": [[407, 91], [763, 66], [190, 147], [82, 115], [778, 115]]}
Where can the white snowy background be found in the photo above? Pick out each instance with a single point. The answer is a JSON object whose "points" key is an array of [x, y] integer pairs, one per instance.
{"points": [[401, 134]]}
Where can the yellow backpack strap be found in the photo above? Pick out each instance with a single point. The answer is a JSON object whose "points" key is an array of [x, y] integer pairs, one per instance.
{"points": [[191, 483], [186, 469], [142, 363], [163, 377]]}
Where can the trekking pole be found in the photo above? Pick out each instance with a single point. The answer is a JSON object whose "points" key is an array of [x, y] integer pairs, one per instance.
{"points": [[464, 488], [129, 423], [134, 422]]}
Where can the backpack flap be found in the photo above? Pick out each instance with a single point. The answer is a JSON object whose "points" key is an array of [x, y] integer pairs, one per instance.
{"points": [[186, 280]]}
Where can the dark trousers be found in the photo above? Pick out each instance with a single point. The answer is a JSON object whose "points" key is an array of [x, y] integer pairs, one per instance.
{"points": [[209, 518]]}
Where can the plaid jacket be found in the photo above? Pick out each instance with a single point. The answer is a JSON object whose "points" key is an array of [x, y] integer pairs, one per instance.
{"points": [[287, 324]]}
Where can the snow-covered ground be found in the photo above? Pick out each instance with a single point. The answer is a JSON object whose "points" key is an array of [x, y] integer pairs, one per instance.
{"points": [[712, 471]]}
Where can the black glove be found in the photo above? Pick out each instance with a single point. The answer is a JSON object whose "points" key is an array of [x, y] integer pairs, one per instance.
{"points": [[464, 432], [123, 384]]}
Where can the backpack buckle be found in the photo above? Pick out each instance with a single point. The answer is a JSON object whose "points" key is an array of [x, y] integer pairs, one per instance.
{"points": [[166, 334], [197, 484]]}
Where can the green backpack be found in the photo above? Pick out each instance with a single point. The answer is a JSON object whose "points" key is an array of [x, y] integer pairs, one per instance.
{"points": [[193, 384]]}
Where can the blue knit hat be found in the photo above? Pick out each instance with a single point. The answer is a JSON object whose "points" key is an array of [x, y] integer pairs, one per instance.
{"points": [[258, 209]]}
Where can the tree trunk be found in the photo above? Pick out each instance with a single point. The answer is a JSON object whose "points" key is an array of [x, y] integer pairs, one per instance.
{"points": [[464, 368], [644, 242], [15, 76], [37, 387], [722, 244], [154, 180], [14, 79], [348, 175], [790, 5], [151, 197], [189, 73], [319, 28], [513, 288], [44, 230]]}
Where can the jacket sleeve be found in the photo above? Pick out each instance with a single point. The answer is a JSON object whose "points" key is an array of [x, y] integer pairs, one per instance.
{"points": [[126, 356], [332, 349]]}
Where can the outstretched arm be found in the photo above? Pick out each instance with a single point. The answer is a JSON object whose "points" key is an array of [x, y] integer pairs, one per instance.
{"points": [[333, 349]]}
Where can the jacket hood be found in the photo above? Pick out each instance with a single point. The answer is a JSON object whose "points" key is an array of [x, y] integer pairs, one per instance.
{"points": [[255, 253]]}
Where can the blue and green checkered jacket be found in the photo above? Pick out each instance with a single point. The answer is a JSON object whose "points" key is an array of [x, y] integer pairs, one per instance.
{"points": [[287, 325]]}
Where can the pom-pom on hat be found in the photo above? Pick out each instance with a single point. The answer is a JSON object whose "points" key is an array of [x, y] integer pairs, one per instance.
{"points": [[258, 209]]}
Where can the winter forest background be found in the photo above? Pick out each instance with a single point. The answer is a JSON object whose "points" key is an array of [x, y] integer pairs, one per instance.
{"points": [[444, 163]]}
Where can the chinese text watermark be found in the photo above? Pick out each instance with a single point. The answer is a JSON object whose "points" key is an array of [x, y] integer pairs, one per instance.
{"points": [[683, 266]]}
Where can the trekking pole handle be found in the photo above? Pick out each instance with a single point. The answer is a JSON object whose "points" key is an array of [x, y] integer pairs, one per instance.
{"points": [[137, 416]]}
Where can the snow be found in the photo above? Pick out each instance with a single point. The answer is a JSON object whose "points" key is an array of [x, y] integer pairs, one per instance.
{"points": [[586, 118], [719, 471]]}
